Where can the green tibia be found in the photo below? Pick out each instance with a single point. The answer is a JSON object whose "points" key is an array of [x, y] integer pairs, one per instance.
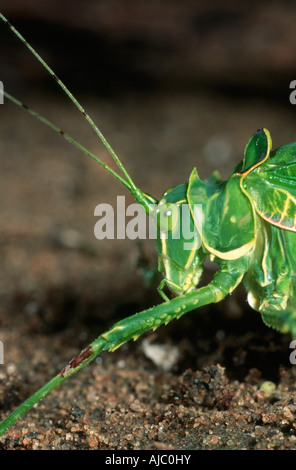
{"points": [[132, 327]]}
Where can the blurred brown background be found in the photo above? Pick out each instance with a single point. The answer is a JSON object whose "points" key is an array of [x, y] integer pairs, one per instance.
{"points": [[240, 52], [243, 48], [172, 85]]}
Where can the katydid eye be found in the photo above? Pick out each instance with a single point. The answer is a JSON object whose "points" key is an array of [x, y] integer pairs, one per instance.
{"points": [[167, 216]]}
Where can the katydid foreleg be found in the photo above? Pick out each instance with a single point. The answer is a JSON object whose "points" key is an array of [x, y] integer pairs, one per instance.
{"points": [[132, 327]]}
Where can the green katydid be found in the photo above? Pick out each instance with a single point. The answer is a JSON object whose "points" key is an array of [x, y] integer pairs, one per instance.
{"points": [[253, 242]]}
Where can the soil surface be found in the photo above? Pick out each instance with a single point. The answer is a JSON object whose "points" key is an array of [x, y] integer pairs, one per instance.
{"points": [[224, 381]]}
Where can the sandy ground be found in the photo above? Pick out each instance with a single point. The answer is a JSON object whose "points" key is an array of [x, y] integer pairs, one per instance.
{"points": [[60, 287]]}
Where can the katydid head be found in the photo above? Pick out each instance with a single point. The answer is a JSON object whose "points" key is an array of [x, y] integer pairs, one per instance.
{"points": [[180, 257]]}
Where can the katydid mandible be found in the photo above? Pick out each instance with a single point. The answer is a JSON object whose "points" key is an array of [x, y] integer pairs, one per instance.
{"points": [[253, 242]]}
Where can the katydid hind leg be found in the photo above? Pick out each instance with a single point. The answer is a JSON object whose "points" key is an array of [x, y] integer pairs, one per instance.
{"points": [[271, 280], [281, 320], [278, 309]]}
